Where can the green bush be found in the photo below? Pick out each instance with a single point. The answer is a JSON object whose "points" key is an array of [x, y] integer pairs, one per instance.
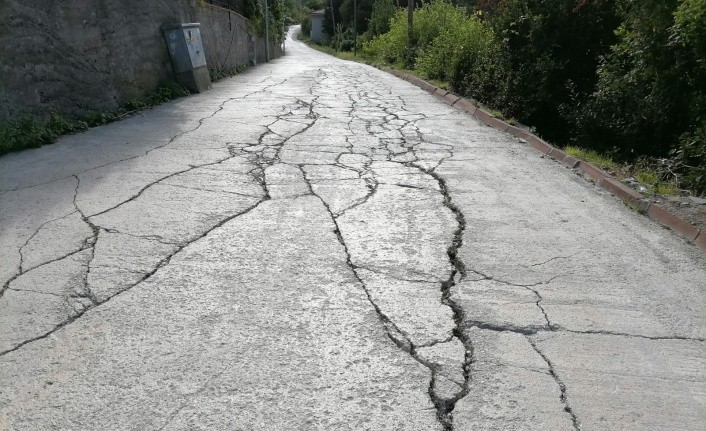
{"points": [[380, 17], [689, 28], [305, 21], [390, 47], [626, 78], [429, 22], [459, 54], [689, 161], [32, 132], [548, 58], [651, 95], [93, 119], [343, 39], [24, 133], [638, 86]]}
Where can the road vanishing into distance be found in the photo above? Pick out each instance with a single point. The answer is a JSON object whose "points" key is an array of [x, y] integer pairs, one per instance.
{"points": [[317, 245]]}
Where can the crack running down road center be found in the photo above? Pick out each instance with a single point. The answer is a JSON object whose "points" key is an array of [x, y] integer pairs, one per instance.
{"points": [[315, 244]]}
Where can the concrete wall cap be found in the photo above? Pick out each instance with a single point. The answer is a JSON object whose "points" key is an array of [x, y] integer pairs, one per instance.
{"points": [[180, 25]]}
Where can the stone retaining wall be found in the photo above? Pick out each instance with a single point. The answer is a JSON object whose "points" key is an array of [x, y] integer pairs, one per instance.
{"points": [[92, 55], [229, 42]]}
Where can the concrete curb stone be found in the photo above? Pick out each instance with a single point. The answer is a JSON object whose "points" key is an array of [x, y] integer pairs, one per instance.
{"points": [[673, 222], [592, 171], [564, 158], [602, 178], [422, 84], [465, 105], [451, 98], [539, 144], [440, 93], [623, 192], [700, 240], [517, 132]]}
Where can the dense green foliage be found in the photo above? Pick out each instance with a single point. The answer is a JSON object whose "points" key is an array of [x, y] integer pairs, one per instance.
{"points": [[30, 132], [650, 98], [380, 16], [450, 55], [390, 47], [624, 77], [254, 10], [549, 54], [430, 21]]}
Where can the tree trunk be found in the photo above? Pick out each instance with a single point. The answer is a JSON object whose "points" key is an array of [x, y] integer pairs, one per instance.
{"points": [[410, 32]]}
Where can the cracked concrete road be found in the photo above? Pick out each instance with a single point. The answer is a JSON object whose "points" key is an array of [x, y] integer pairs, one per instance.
{"points": [[315, 244]]}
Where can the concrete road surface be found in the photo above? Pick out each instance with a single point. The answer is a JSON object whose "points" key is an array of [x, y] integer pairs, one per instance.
{"points": [[317, 245]]}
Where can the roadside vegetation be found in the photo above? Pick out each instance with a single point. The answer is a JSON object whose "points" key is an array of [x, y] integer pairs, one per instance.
{"points": [[622, 79], [33, 131]]}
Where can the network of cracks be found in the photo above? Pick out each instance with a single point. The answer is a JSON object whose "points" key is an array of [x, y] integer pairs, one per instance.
{"points": [[344, 140]]}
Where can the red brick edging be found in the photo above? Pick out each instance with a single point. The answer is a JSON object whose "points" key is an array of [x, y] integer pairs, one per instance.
{"points": [[602, 178]]}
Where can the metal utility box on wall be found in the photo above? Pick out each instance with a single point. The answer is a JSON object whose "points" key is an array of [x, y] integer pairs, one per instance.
{"points": [[188, 58]]}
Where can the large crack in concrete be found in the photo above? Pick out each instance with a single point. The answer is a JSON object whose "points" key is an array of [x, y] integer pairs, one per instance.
{"points": [[529, 331], [532, 330], [394, 333], [446, 407], [397, 138], [553, 326], [89, 243], [563, 397], [530, 287], [405, 151], [158, 181], [147, 152], [22, 271], [162, 263]]}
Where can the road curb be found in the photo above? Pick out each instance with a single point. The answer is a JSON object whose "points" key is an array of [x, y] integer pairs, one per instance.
{"points": [[604, 180]]}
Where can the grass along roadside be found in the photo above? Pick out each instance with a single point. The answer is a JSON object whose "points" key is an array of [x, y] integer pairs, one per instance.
{"points": [[219, 74], [33, 131], [343, 55], [646, 175]]}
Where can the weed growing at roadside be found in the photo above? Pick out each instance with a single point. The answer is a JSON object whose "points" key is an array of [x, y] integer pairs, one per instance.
{"points": [[646, 172], [32, 132], [218, 74], [164, 93], [29, 132], [590, 156]]}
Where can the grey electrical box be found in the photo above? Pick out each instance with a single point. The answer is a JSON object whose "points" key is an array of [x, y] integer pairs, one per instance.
{"points": [[188, 58]]}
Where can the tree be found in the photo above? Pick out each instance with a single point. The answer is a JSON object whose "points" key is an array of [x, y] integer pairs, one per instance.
{"points": [[647, 94]]}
